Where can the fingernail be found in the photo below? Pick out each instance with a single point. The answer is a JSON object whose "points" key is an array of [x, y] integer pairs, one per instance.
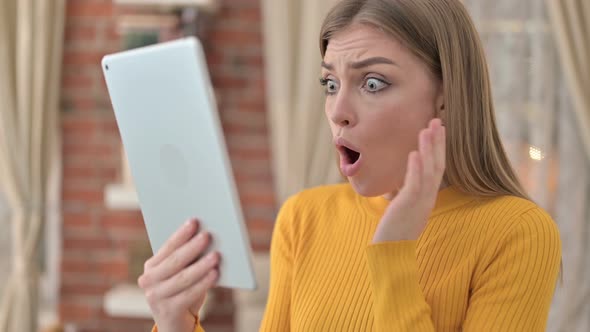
{"points": [[201, 236], [211, 257]]}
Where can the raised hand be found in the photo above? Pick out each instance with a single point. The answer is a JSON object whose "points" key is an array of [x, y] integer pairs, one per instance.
{"points": [[407, 215], [176, 280]]}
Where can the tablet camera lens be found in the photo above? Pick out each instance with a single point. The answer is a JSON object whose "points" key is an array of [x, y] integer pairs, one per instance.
{"points": [[106, 67]]}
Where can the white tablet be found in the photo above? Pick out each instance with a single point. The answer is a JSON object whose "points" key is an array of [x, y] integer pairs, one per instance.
{"points": [[167, 117]]}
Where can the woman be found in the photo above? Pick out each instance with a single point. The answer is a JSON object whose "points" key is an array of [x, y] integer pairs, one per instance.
{"points": [[413, 242]]}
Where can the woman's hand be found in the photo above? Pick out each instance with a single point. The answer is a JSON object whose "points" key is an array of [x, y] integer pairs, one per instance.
{"points": [[175, 281], [406, 216]]}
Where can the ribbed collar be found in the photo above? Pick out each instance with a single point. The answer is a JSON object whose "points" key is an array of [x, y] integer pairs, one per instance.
{"points": [[447, 199]]}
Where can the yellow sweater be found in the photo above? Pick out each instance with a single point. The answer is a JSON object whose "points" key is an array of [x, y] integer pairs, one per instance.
{"points": [[480, 265]]}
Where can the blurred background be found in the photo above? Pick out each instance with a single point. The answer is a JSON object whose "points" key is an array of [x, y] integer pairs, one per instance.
{"points": [[72, 239]]}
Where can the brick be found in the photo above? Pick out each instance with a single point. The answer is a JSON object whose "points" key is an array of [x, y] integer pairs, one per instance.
{"points": [[263, 177], [217, 317], [114, 269], [244, 123], [77, 219], [259, 85], [94, 150], [73, 266], [109, 127], [113, 33], [235, 37], [82, 328], [241, 4], [83, 104], [252, 140], [108, 175], [229, 82], [117, 324], [214, 59], [75, 311], [81, 58], [77, 161], [241, 129], [93, 273], [121, 219], [252, 211], [259, 199], [89, 9], [250, 106], [86, 243], [254, 61], [251, 154], [264, 226], [78, 173], [252, 169], [81, 287], [79, 125], [77, 82], [263, 246], [84, 196], [245, 16], [78, 32]]}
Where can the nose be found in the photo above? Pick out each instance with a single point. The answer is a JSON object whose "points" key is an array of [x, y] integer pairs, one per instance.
{"points": [[342, 112]]}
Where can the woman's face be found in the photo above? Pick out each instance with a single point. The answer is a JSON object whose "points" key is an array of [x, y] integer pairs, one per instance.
{"points": [[379, 97]]}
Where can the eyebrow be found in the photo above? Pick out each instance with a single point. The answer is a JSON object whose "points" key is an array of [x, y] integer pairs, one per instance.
{"points": [[364, 63]]}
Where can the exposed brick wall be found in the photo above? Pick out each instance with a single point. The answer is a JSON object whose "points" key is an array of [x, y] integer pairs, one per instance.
{"points": [[97, 241]]}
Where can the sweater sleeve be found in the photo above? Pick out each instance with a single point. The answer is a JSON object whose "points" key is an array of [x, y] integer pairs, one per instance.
{"points": [[277, 315], [399, 303], [513, 293], [198, 327]]}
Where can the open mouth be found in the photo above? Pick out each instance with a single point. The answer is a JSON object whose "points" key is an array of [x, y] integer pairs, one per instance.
{"points": [[351, 155]]}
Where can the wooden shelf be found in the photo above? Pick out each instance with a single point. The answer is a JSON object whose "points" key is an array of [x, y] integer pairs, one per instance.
{"points": [[127, 300]]}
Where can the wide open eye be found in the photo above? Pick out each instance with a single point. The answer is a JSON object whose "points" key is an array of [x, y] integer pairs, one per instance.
{"points": [[373, 85], [331, 86]]}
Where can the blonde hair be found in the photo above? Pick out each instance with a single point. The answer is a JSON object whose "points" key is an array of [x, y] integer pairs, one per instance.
{"points": [[442, 34]]}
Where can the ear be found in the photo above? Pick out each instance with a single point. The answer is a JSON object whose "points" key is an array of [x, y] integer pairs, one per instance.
{"points": [[440, 104]]}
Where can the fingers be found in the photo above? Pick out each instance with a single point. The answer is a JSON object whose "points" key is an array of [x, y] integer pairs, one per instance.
{"points": [[432, 145], [426, 166], [181, 258], [189, 276], [180, 237], [426, 156], [439, 148], [187, 297], [174, 286], [412, 182]]}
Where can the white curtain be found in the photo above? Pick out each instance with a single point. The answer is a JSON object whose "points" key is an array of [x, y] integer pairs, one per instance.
{"points": [[302, 151], [31, 41], [543, 133], [570, 23], [571, 26]]}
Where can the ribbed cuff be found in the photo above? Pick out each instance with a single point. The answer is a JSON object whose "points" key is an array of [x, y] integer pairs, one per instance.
{"points": [[198, 327], [398, 298]]}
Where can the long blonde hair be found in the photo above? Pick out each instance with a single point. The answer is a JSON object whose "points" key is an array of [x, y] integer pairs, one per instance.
{"points": [[442, 34]]}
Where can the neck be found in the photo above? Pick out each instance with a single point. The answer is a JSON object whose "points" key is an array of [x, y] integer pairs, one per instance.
{"points": [[389, 196]]}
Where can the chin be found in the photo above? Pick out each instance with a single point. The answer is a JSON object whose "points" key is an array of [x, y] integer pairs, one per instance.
{"points": [[369, 187]]}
